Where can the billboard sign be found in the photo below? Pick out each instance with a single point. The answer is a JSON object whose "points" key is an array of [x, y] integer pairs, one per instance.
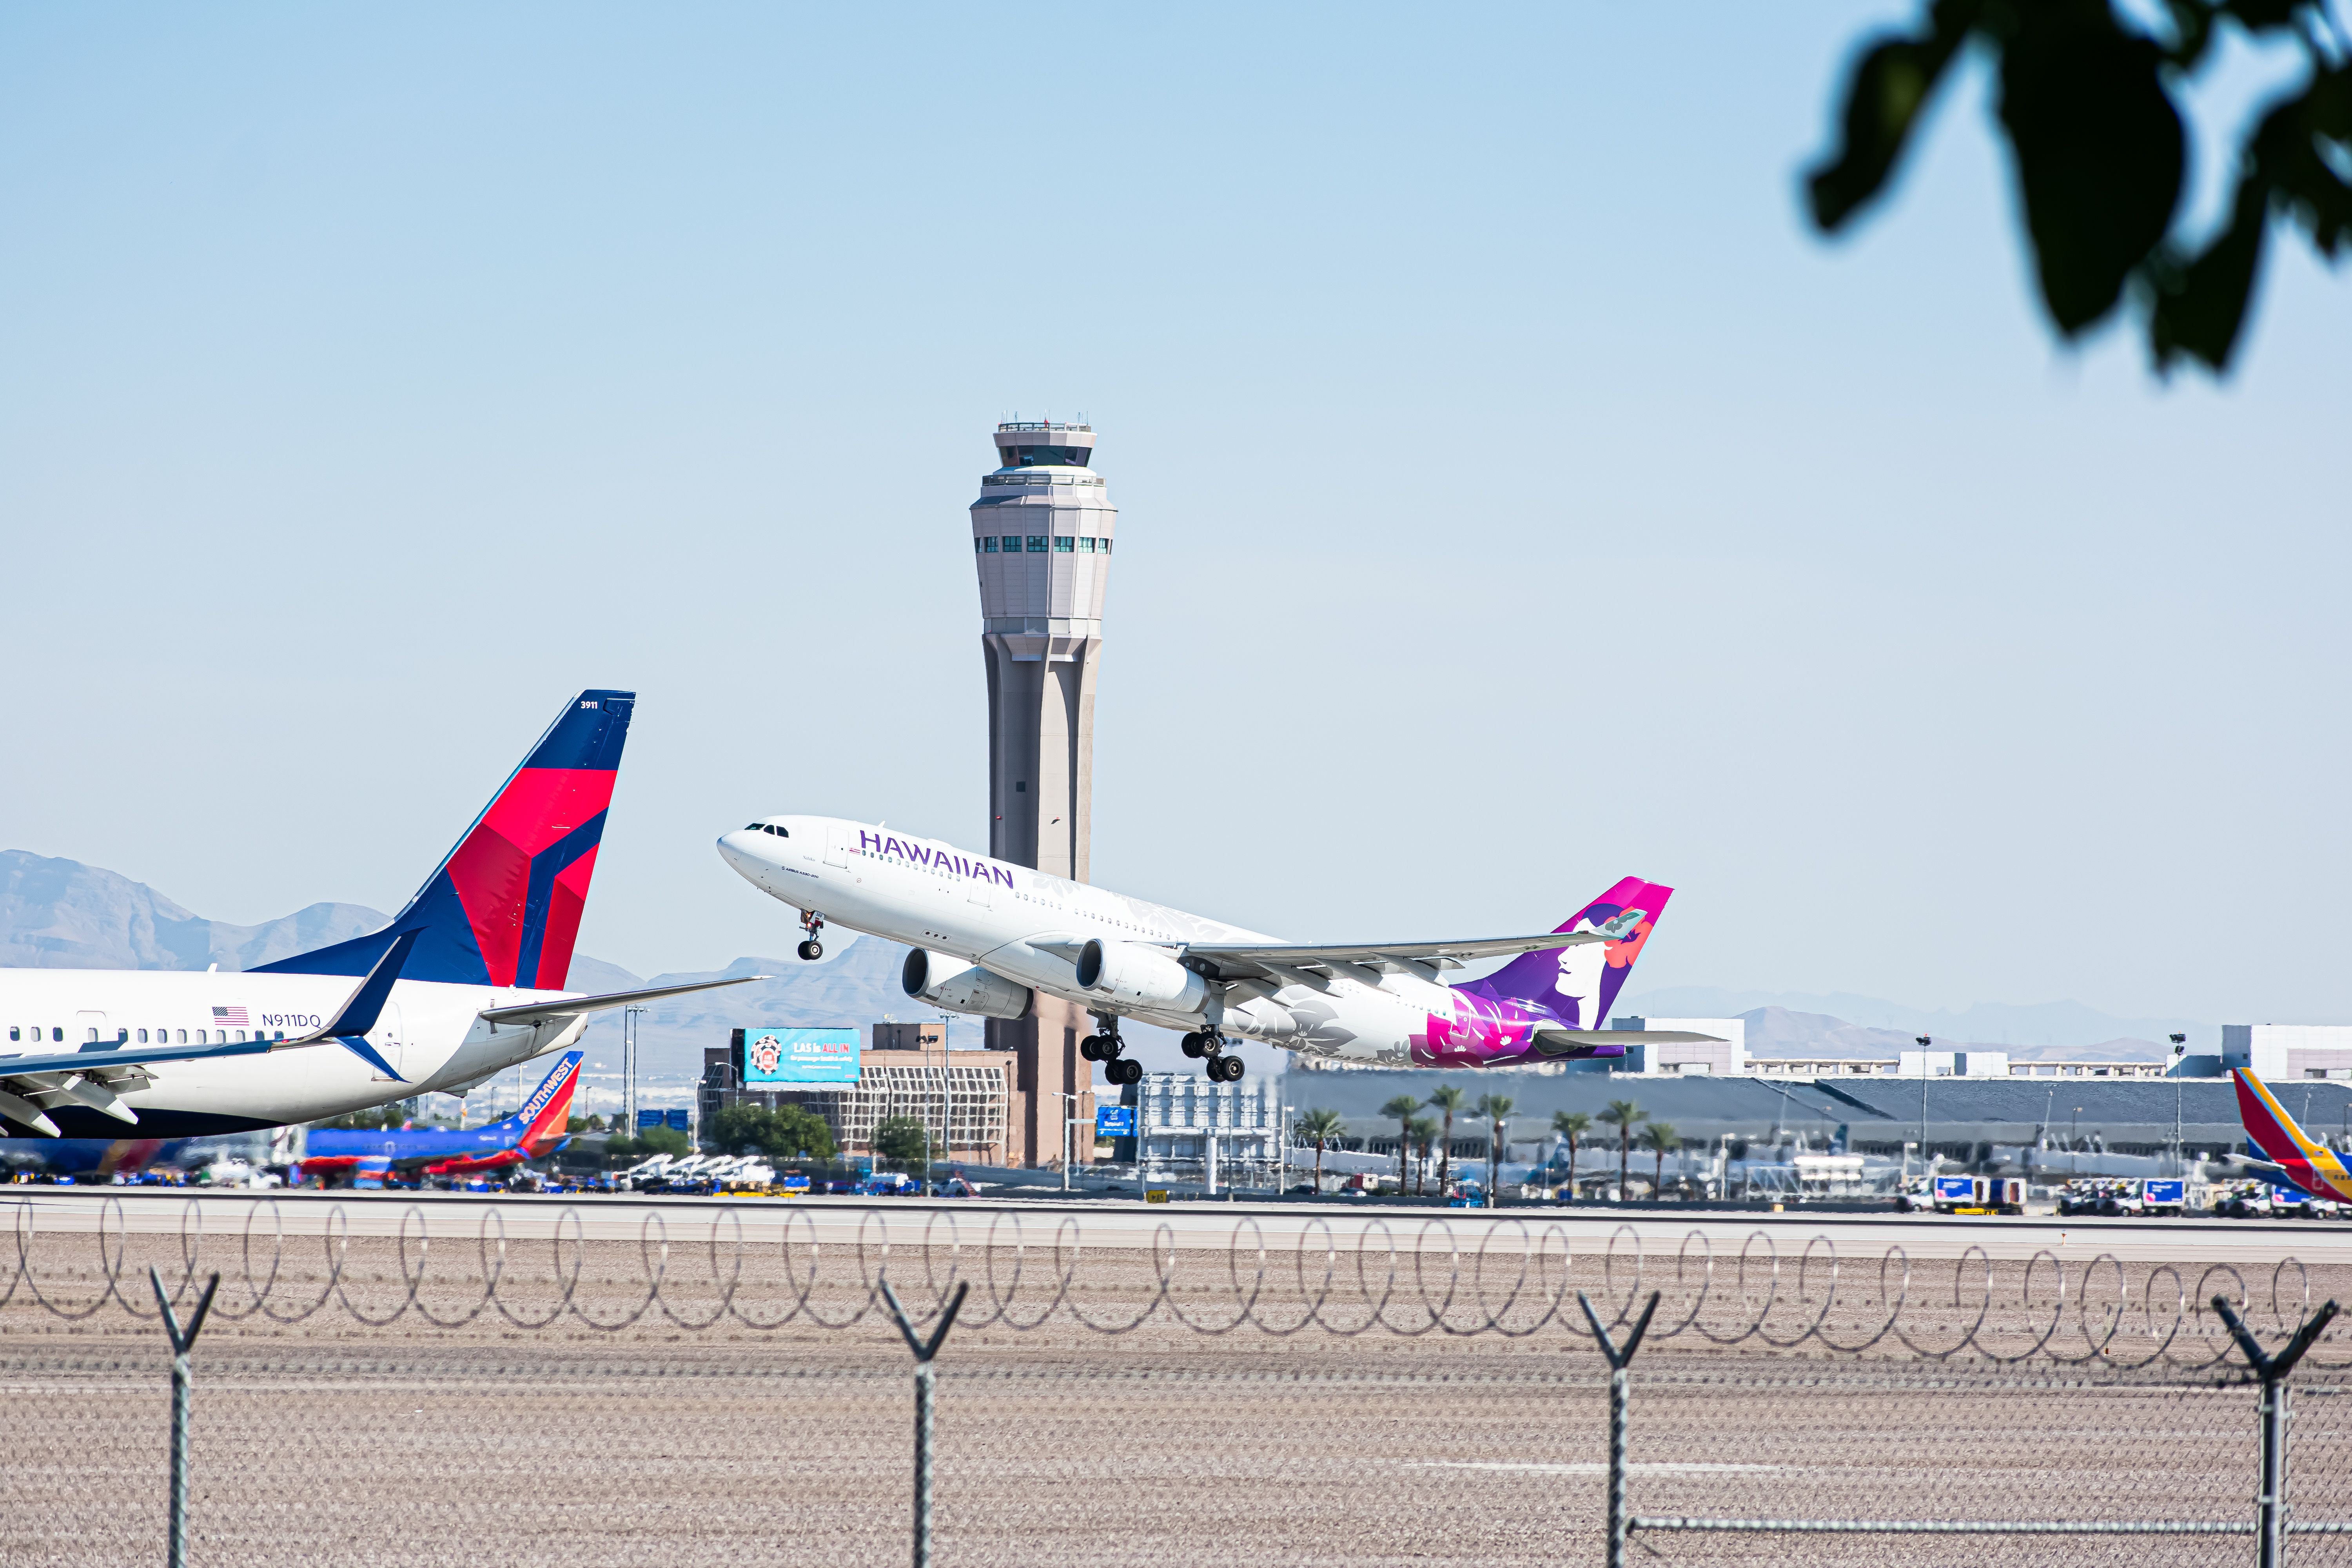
{"points": [[678, 1121], [800, 1055], [649, 1119], [1114, 1121]]}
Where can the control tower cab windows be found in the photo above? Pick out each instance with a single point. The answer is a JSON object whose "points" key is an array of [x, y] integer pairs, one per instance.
{"points": [[1036, 543], [1012, 544], [1064, 544], [1058, 457], [986, 544]]}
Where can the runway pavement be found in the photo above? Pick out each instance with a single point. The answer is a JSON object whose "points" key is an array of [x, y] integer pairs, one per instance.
{"points": [[1111, 1223]]}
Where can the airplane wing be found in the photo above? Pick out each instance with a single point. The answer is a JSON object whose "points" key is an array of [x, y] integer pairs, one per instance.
{"points": [[572, 1006], [1571, 1042], [1236, 962]]}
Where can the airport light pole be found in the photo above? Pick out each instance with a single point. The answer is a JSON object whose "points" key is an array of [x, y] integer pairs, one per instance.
{"points": [[629, 1070], [1926, 1163], [2179, 1162], [1068, 1121]]}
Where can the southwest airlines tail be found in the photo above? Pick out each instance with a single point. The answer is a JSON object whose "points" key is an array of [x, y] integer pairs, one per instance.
{"points": [[503, 907], [2307, 1162], [545, 1118], [1580, 983]]}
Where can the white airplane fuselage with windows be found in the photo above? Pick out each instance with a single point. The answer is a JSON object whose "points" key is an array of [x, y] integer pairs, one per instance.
{"points": [[429, 1033], [1027, 927]]}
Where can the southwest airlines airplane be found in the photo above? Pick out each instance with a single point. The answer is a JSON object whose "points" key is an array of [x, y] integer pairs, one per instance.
{"points": [[538, 1130], [989, 937], [2297, 1158], [465, 981]]}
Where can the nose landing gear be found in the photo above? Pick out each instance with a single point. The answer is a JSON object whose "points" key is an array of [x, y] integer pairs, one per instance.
{"points": [[811, 922]]}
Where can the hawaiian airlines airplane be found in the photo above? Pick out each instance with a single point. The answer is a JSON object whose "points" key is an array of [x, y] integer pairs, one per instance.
{"points": [[2297, 1158], [464, 982], [989, 938], [538, 1130]]}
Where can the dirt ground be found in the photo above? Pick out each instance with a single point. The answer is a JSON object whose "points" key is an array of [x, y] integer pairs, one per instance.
{"points": [[1427, 1418]]}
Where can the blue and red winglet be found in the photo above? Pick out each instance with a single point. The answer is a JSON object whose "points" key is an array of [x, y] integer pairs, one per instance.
{"points": [[503, 908]]}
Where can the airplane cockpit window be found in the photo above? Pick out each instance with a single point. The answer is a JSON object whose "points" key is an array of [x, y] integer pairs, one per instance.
{"points": [[778, 832], [753, 826]]}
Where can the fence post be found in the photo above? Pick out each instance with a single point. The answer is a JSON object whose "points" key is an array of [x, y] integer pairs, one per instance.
{"points": [[2270, 1501], [175, 1549], [924, 1351], [1618, 1397]]}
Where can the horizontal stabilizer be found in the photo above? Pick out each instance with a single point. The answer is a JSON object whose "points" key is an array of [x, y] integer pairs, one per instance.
{"points": [[572, 1006], [1569, 1042]]}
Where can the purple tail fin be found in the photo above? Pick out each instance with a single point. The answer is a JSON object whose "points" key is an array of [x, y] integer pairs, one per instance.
{"points": [[1579, 984]]}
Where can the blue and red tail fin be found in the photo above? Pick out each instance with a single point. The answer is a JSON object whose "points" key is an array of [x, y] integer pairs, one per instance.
{"points": [[1579, 984], [545, 1118], [503, 907]]}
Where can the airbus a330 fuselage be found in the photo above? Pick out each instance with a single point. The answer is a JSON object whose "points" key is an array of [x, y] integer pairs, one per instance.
{"points": [[989, 937]]}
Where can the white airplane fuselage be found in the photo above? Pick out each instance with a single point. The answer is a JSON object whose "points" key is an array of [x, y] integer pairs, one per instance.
{"points": [[429, 1034], [999, 917]]}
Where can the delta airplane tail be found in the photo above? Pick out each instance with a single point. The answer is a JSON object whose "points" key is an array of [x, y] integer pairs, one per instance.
{"points": [[503, 907], [2301, 1159], [1579, 984]]}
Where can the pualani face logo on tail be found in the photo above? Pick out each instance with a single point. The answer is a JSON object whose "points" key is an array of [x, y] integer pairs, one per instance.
{"points": [[504, 907], [1574, 986]]}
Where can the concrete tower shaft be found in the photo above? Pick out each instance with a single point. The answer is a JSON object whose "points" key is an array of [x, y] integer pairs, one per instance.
{"points": [[1041, 532]]}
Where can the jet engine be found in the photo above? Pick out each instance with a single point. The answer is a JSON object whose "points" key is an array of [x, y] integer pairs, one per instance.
{"points": [[962, 986], [1141, 977]]}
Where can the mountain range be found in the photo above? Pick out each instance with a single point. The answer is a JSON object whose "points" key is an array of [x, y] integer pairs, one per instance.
{"points": [[1790, 1023], [61, 914]]}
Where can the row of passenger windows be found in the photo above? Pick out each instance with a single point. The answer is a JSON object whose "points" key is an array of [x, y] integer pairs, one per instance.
{"points": [[23, 1032], [1062, 544]]}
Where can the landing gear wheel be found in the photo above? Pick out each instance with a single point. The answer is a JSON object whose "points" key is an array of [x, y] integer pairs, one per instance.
{"points": [[1195, 1045], [1091, 1048], [1124, 1070], [1225, 1069], [811, 950]]}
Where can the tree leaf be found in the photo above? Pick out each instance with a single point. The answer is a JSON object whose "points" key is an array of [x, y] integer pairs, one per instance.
{"points": [[2199, 309], [2099, 151], [1891, 83]]}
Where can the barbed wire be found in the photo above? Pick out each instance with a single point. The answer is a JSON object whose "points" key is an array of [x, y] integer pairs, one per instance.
{"points": [[1515, 1281]]}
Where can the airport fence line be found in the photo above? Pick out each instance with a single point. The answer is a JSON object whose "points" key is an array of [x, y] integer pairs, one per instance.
{"points": [[770, 1269], [1237, 1397]]}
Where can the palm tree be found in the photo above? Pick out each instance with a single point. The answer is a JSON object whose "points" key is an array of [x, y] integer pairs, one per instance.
{"points": [[1622, 1114], [1495, 1108], [1318, 1128], [1423, 1130], [1447, 1097], [1402, 1108], [1660, 1136], [1571, 1125]]}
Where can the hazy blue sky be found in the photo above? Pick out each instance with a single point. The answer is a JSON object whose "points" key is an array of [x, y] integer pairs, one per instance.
{"points": [[1513, 494]]}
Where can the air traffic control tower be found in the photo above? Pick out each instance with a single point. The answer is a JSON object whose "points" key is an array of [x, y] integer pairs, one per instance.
{"points": [[1042, 534], [1041, 537]]}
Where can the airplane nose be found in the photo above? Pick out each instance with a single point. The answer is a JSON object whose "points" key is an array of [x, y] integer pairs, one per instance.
{"points": [[735, 849]]}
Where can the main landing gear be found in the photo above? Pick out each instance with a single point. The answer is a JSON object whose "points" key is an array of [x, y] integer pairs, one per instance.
{"points": [[811, 922], [1106, 1048], [1222, 1068]]}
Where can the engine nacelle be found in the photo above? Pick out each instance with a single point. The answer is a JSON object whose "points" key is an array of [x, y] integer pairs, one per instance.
{"points": [[1141, 977], [962, 986]]}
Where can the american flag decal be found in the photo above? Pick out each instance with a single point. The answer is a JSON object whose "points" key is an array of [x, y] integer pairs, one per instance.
{"points": [[230, 1016]]}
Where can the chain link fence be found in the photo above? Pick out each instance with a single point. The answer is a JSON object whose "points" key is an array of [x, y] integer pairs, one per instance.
{"points": [[741, 1391]]}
